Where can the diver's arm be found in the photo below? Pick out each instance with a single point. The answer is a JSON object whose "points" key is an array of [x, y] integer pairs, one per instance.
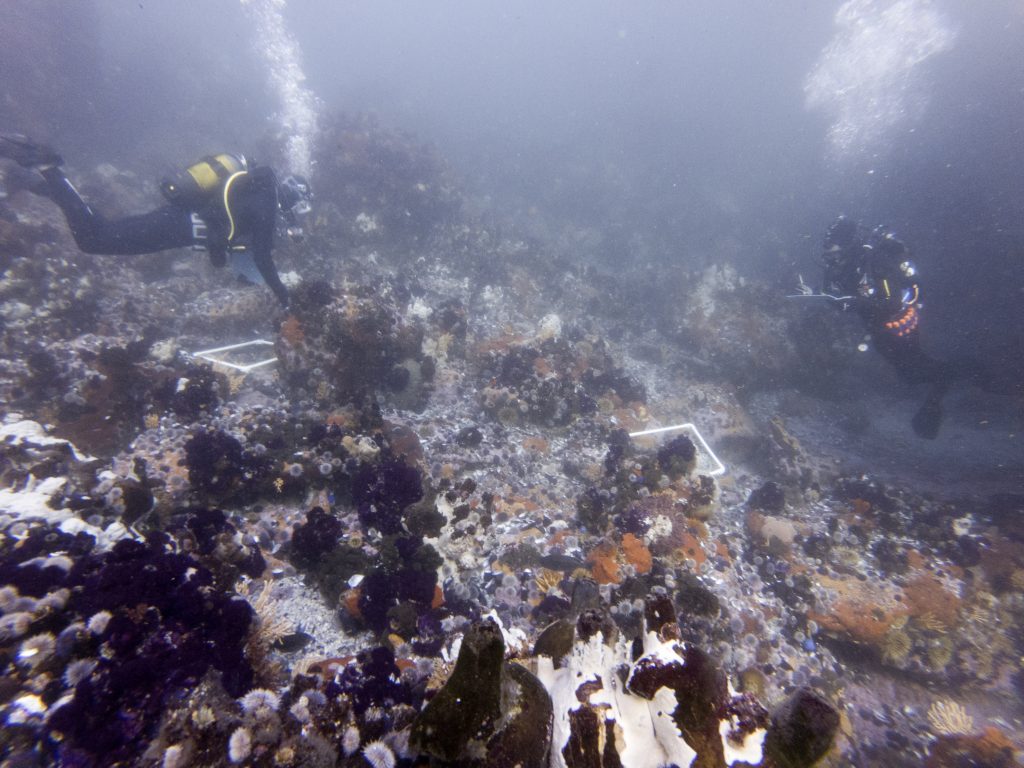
{"points": [[262, 254], [830, 284], [265, 264], [261, 203]]}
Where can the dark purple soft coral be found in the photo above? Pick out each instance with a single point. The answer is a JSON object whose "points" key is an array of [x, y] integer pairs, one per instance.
{"points": [[315, 538], [382, 492], [168, 628], [220, 469], [373, 681], [635, 520]]}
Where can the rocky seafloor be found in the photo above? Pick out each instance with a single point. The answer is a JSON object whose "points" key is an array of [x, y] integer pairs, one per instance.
{"points": [[424, 536]]}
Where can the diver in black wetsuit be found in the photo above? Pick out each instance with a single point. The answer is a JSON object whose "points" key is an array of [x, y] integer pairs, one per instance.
{"points": [[871, 272], [219, 204]]}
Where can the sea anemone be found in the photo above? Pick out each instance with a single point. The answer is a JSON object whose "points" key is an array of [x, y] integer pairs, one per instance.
{"points": [[260, 702], [350, 741], [300, 711], [8, 596], [14, 625], [56, 600], [379, 755], [97, 623], [78, 670], [314, 698], [174, 757], [239, 745], [36, 650], [68, 637], [25, 708]]}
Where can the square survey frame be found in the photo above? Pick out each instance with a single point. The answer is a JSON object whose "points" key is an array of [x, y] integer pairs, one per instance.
{"points": [[221, 355], [707, 461]]}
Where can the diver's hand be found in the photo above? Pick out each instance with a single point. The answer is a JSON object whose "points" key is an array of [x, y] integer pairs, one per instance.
{"points": [[803, 288]]}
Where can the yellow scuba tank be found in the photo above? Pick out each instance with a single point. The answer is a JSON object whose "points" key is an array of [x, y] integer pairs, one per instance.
{"points": [[195, 185]]}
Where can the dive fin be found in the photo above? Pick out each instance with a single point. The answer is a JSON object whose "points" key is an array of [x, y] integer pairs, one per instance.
{"points": [[27, 153], [928, 420]]}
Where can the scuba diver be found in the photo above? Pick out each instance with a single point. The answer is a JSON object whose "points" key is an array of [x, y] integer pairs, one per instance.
{"points": [[219, 204], [871, 273]]}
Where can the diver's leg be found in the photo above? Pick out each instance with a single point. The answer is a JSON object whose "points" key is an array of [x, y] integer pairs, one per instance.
{"points": [[915, 366], [928, 420], [164, 228], [81, 218], [905, 355]]}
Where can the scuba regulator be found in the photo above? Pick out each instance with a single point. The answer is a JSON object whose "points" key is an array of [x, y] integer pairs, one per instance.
{"points": [[293, 198]]}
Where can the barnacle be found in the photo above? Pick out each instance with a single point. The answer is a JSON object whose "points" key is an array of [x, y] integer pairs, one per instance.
{"points": [[270, 625], [977, 614], [940, 653], [931, 622], [235, 381], [949, 718], [1017, 580], [204, 717], [896, 646], [284, 756], [305, 665], [546, 580]]}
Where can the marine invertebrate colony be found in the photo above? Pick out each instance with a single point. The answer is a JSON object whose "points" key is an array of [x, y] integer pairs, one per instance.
{"points": [[140, 625], [950, 718]]}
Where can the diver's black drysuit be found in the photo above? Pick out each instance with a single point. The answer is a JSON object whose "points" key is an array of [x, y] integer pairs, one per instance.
{"points": [[874, 276], [253, 214]]}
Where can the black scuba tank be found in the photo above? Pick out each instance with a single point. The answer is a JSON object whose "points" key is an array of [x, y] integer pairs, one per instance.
{"points": [[194, 186]]}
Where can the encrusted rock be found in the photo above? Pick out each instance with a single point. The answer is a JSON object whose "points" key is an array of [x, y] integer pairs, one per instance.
{"points": [[768, 498], [336, 349], [489, 710], [670, 706], [802, 730]]}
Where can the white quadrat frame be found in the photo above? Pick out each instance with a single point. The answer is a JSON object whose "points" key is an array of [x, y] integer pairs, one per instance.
{"points": [[718, 468], [209, 355]]}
